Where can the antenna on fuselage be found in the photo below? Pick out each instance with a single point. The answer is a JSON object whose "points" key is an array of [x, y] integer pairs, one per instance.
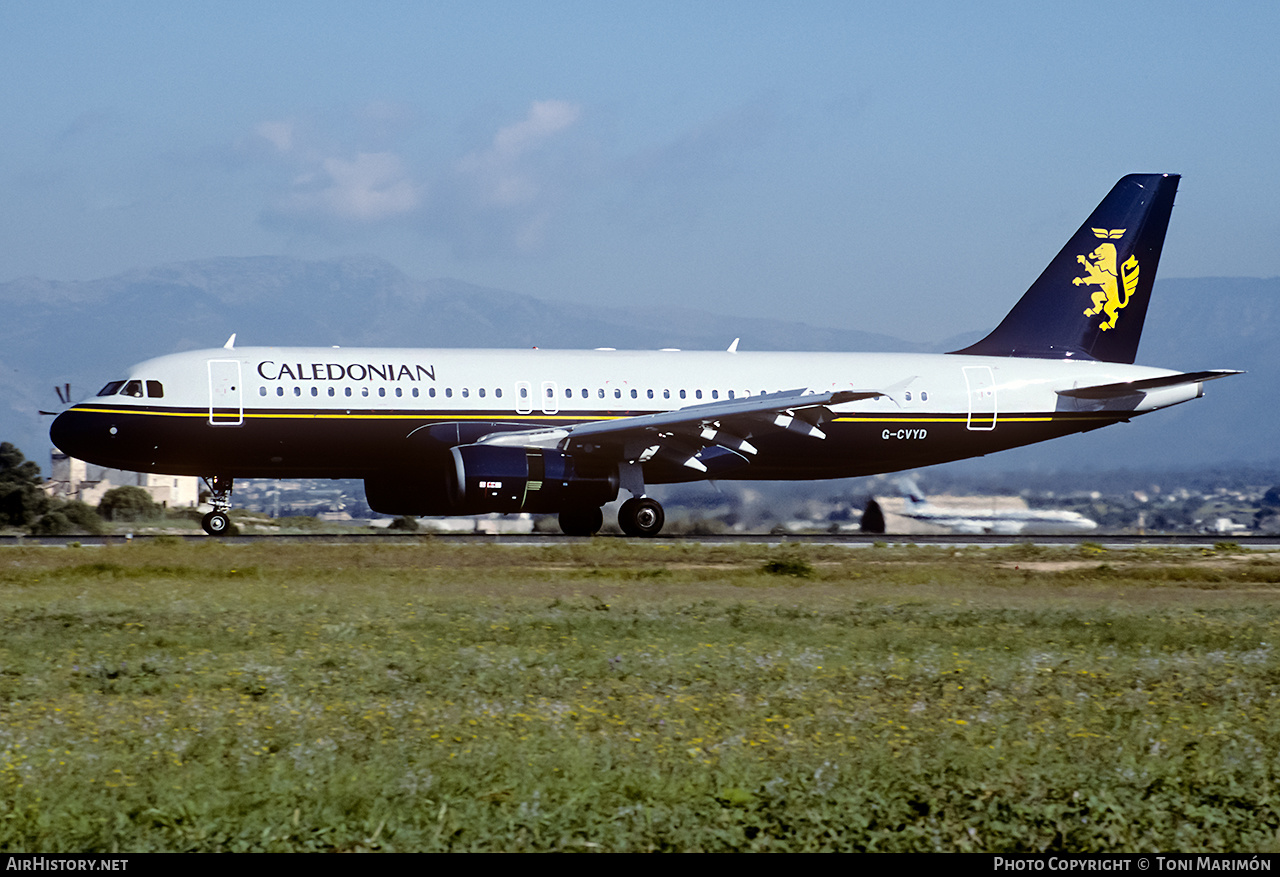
{"points": [[231, 342]]}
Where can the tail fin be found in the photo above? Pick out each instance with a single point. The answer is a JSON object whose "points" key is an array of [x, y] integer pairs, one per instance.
{"points": [[914, 495], [1091, 302]]}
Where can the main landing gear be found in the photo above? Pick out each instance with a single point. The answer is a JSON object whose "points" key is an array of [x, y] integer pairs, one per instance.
{"points": [[640, 516], [581, 522], [216, 523]]}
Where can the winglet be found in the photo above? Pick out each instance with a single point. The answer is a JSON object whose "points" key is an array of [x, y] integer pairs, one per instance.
{"points": [[733, 348], [231, 342]]}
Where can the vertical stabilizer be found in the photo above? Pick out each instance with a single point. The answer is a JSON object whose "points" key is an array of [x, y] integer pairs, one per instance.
{"points": [[1091, 302], [913, 494]]}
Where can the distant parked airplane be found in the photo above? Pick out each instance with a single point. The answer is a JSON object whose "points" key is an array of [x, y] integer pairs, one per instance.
{"points": [[460, 432], [1006, 522]]}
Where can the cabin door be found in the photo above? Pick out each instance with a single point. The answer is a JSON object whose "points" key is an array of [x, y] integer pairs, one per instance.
{"points": [[226, 400], [982, 396]]}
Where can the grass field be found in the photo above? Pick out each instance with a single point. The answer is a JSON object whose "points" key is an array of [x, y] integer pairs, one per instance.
{"points": [[610, 696]]}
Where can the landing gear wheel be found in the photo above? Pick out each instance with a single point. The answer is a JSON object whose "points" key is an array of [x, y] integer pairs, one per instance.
{"points": [[215, 523], [581, 522], [641, 517]]}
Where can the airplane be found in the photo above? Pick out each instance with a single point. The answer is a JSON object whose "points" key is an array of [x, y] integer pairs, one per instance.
{"points": [[460, 432], [1005, 522]]}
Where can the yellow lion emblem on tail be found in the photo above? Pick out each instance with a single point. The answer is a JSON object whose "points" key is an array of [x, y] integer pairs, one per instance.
{"points": [[1100, 270]]}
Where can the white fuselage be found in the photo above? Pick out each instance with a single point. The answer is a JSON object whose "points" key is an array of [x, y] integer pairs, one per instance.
{"points": [[248, 411]]}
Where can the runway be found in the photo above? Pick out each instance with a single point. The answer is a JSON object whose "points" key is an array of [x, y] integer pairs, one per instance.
{"points": [[852, 540]]}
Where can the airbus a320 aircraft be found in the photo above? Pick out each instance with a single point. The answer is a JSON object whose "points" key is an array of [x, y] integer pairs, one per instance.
{"points": [[456, 432]]}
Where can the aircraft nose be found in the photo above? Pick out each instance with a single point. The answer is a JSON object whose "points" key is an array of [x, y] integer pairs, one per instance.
{"points": [[68, 432]]}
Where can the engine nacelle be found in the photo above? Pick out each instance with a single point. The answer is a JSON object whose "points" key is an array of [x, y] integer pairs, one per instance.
{"points": [[492, 478], [416, 494]]}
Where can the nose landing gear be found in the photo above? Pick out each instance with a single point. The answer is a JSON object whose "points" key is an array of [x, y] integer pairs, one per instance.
{"points": [[217, 523]]}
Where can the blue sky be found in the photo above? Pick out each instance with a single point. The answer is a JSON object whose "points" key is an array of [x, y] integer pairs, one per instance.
{"points": [[899, 168]]}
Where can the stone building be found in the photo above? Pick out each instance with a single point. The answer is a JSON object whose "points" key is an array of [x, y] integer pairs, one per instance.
{"points": [[75, 479]]}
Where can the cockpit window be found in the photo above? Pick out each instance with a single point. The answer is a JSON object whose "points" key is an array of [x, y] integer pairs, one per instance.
{"points": [[133, 388], [111, 389], [155, 389]]}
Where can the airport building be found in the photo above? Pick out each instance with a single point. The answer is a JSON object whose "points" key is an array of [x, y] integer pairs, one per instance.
{"points": [[75, 479]]}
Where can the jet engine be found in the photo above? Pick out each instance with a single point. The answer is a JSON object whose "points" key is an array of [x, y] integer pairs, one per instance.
{"points": [[490, 478]]}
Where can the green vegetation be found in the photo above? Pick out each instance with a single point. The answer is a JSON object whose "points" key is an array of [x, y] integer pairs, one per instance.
{"points": [[25, 505], [610, 695], [128, 504]]}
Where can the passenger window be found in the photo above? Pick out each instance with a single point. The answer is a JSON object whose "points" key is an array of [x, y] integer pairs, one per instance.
{"points": [[731, 394], [297, 391], [584, 393], [682, 394], [364, 391], [650, 393], [315, 391], [617, 393], [666, 394], [331, 391], [924, 396], [415, 392], [155, 389], [633, 394], [382, 391], [347, 390], [908, 395], [430, 392], [524, 392], [448, 392], [399, 392], [111, 389], [279, 391], [715, 394], [262, 391], [498, 392], [697, 394], [568, 392], [601, 392]]}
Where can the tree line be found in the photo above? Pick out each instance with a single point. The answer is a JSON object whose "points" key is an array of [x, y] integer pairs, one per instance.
{"points": [[24, 505]]}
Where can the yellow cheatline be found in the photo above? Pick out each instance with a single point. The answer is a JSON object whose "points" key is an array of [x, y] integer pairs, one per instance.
{"points": [[335, 415]]}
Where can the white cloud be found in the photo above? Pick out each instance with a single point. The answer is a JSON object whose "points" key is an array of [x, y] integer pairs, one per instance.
{"points": [[546, 117], [278, 134], [500, 175], [371, 187], [503, 196]]}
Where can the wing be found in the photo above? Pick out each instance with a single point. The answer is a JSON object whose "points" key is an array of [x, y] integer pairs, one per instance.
{"points": [[684, 434]]}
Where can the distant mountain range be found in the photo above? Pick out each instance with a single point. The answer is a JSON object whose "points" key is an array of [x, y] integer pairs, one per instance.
{"points": [[84, 332]]}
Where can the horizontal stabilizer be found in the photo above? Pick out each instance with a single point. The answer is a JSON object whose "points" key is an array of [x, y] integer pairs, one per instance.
{"points": [[1132, 388]]}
